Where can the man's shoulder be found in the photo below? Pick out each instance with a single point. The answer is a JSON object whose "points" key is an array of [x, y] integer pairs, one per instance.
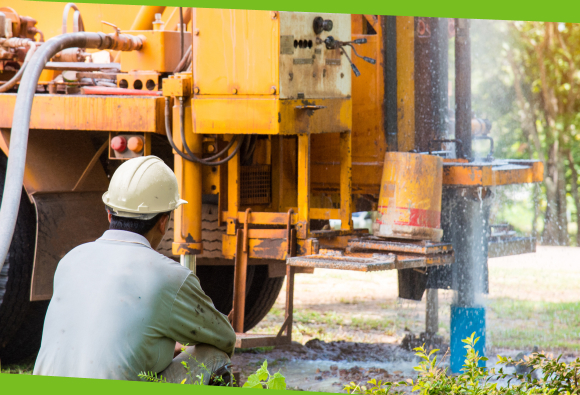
{"points": [[144, 252]]}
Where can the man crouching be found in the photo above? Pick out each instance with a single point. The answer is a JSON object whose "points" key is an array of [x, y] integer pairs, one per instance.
{"points": [[120, 308]]}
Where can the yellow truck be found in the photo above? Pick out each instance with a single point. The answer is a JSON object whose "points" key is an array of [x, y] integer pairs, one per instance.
{"points": [[274, 122]]}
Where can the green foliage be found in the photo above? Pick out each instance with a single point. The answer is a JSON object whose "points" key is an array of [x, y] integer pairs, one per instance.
{"points": [[544, 375], [262, 379]]}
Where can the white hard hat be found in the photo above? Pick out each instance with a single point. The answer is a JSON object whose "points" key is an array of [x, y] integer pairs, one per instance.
{"points": [[142, 188]]}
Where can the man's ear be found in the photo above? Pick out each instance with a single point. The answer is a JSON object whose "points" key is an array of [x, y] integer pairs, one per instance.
{"points": [[162, 224], [110, 216]]}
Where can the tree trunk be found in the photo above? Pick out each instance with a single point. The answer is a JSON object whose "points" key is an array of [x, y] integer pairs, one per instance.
{"points": [[574, 188], [563, 238], [550, 236]]}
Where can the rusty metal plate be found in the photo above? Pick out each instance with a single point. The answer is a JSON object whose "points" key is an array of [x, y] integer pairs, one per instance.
{"points": [[64, 221], [251, 340], [329, 259], [413, 247], [417, 261], [306, 72], [369, 261], [83, 112], [329, 234], [499, 247], [286, 45], [498, 172]]}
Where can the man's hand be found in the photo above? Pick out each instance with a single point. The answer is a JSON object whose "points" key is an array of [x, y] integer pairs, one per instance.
{"points": [[178, 347]]}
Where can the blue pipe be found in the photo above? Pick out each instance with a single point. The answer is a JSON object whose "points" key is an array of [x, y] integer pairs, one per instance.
{"points": [[465, 321]]}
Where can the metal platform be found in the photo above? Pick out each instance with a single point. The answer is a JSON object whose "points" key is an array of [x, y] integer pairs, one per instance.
{"points": [[504, 241], [371, 254], [249, 340]]}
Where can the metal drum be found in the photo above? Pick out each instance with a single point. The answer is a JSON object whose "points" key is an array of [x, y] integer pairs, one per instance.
{"points": [[410, 198]]}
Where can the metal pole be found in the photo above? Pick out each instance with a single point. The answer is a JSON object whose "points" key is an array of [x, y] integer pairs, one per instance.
{"points": [[188, 261], [462, 87], [465, 220], [432, 311]]}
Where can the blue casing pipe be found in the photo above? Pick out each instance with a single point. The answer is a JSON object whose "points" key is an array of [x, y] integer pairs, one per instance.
{"points": [[465, 321]]}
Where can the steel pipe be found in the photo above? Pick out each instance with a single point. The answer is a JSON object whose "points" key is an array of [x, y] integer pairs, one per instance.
{"points": [[463, 87]]}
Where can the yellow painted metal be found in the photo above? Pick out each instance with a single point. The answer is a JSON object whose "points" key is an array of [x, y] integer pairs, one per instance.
{"points": [[345, 180], [235, 49], [267, 248], [260, 218], [160, 52], [82, 112], [49, 15], [145, 17], [485, 175], [405, 83], [322, 213], [410, 199], [269, 115], [233, 193], [177, 85], [303, 226], [187, 226]]}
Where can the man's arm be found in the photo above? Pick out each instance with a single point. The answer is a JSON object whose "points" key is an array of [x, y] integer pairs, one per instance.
{"points": [[194, 319]]}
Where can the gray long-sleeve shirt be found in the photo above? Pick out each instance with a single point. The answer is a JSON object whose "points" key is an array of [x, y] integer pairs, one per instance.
{"points": [[118, 308]]}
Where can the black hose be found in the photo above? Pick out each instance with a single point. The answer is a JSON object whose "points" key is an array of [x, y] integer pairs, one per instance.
{"points": [[192, 157], [183, 61], [21, 125]]}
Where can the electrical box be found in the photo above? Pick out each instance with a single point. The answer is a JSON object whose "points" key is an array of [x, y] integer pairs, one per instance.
{"points": [[270, 72]]}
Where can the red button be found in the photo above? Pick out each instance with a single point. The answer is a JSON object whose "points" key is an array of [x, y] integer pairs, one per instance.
{"points": [[119, 143]]}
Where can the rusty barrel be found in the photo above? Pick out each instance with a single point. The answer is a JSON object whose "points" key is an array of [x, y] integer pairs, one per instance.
{"points": [[410, 197]]}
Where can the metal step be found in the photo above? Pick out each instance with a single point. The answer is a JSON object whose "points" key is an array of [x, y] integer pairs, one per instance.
{"points": [[505, 246], [369, 261], [395, 245]]}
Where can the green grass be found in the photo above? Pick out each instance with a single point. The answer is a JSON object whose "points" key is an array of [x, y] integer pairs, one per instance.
{"points": [[524, 324], [23, 367]]}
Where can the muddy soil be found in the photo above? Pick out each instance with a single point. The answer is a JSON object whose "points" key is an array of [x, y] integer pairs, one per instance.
{"points": [[349, 326], [328, 366]]}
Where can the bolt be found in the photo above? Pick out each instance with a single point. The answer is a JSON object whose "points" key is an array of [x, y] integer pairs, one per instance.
{"points": [[234, 91], [273, 90], [196, 90], [274, 14]]}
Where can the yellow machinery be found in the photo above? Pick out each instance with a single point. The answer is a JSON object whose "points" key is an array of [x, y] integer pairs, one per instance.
{"points": [[274, 123]]}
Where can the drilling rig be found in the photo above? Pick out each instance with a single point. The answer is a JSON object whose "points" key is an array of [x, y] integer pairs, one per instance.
{"points": [[274, 123]]}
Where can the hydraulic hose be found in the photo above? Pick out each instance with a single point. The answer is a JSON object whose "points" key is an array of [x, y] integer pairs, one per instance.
{"points": [[22, 111], [190, 156], [5, 87]]}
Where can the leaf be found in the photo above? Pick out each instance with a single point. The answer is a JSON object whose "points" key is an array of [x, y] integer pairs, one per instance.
{"points": [[277, 382], [263, 373], [253, 382], [184, 380]]}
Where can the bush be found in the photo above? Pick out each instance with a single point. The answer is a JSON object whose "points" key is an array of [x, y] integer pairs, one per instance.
{"points": [[543, 375]]}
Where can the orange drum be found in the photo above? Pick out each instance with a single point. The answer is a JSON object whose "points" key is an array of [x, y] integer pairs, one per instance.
{"points": [[410, 198]]}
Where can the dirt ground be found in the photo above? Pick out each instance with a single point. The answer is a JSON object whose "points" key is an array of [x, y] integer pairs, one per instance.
{"points": [[349, 325]]}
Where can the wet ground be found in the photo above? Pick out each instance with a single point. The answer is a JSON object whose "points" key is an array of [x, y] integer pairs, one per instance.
{"points": [[349, 326]]}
